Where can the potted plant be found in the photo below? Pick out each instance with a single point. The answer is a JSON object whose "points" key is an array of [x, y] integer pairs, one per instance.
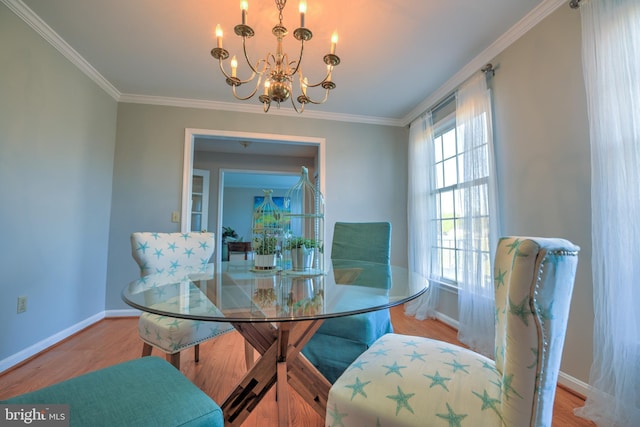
{"points": [[229, 234], [265, 247], [302, 252]]}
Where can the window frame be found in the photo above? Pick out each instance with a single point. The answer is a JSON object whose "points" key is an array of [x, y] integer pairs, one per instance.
{"points": [[438, 247]]}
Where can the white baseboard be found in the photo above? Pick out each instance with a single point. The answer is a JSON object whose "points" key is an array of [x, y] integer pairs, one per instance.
{"points": [[36, 348], [573, 384], [131, 312], [447, 320]]}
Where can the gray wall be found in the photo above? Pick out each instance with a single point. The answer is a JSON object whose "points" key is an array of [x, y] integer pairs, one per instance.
{"points": [[542, 145], [57, 139]]}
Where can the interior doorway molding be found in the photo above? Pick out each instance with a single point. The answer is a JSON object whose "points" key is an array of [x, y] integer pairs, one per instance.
{"points": [[213, 135], [278, 186]]}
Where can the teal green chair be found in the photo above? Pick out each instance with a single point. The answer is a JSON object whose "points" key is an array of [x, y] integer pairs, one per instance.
{"points": [[338, 342], [139, 393]]}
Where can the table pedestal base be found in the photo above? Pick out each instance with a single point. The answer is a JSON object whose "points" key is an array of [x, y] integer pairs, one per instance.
{"points": [[282, 364]]}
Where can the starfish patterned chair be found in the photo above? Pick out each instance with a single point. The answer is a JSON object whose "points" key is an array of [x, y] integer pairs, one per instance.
{"points": [[415, 381], [178, 254]]}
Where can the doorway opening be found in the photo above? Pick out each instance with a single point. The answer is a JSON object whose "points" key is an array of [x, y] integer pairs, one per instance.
{"points": [[251, 157]]}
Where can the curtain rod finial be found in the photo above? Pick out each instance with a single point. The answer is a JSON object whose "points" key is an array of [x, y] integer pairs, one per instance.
{"points": [[488, 69], [574, 4]]}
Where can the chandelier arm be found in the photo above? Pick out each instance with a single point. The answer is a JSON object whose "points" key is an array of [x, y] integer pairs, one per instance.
{"points": [[246, 56], [270, 61], [296, 108], [326, 96], [321, 81], [241, 82], [287, 65], [253, 75], [299, 58], [227, 76], [255, 89]]}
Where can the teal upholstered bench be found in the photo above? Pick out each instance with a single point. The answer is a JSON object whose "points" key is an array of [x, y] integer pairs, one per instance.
{"points": [[143, 392]]}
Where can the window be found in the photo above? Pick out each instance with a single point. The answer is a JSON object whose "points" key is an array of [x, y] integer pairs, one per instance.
{"points": [[454, 217]]}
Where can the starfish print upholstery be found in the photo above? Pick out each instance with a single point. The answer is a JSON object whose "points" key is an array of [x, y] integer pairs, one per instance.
{"points": [[433, 383]]}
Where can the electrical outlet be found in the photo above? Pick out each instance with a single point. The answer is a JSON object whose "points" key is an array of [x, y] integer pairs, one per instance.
{"points": [[22, 304], [175, 216]]}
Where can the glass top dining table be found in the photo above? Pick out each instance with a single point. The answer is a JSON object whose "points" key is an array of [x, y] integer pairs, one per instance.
{"points": [[236, 292], [276, 312]]}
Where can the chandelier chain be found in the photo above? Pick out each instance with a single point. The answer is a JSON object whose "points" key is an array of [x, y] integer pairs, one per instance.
{"points": [[280, 4]]}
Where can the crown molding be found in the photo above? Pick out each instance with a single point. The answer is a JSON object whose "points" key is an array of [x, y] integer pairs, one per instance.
{"points": [[255, 109], [514, 33], [540, 12], [47, 33]]}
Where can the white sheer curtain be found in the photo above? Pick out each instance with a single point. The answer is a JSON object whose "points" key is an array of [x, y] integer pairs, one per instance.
{"points": [[476, 302], [421, 213], [611, 68]]}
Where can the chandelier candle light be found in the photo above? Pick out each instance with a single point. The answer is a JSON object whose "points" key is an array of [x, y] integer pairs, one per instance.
{"points": [[275, 69]]}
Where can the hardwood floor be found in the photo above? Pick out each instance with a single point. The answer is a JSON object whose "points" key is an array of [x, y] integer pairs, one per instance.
{"points": [[221, 366]]}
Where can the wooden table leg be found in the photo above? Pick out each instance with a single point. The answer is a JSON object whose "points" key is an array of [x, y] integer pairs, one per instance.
{"points": [[310, 384], [280, 364], [251, 389], [282, 389], [282, 386]]}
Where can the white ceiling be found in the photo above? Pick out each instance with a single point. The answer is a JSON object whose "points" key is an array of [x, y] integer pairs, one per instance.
{"points": [[395, 54]]}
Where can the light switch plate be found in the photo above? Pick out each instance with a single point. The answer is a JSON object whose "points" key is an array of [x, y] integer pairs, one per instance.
{"points": [[22, 304]]}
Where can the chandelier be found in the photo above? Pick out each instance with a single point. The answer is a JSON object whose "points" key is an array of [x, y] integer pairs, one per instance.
{"points": [[276, 70]]}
